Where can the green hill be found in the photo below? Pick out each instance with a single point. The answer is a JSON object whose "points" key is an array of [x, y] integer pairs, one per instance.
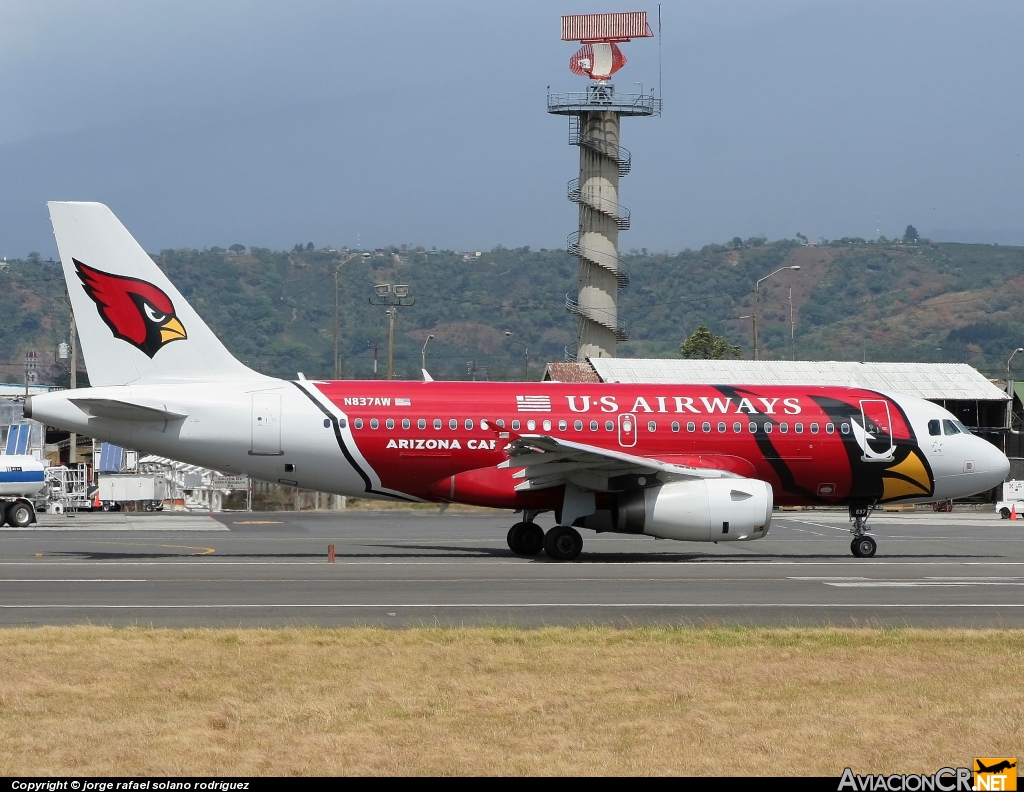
{"points": [[852, 300]]}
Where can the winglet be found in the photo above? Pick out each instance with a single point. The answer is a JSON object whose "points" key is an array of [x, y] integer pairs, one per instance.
{"points": [[426, 376]]}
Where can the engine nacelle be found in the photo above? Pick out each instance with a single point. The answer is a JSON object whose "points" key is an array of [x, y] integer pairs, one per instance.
{"points": [[703, 510]]}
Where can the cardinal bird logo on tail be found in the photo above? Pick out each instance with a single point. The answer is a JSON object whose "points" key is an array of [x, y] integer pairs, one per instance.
{"points": [[134, 310]]}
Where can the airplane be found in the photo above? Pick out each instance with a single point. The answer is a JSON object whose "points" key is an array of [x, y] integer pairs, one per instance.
{"points": [[687, 462], [998, 767]]}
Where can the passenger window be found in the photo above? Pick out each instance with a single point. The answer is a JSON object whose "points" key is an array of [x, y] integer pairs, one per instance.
{"points": [[593, 426], [675, 426], [934, 428], [374, 423], [437, 424], [562, 426], [531, 425], [783, 427], [752, 427], [721, 426], [390, 423], [652, 426], [814, 428], [501, 423], [768, 427], [737, 427], [830, 428], [515, 425], [609, 426], [405, 423], [705, 427], [950, 427], [453, 423], [691, 426], [483, 424], [468, 424], [358, 423], [547, 426], [845, 428], [577, 425], [799, 428]]}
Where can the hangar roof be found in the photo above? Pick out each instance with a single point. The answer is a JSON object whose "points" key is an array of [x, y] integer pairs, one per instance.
{"points": [[935, 381]]}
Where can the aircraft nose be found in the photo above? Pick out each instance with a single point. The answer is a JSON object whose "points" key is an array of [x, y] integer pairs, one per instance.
{"points": [[992, 463]]}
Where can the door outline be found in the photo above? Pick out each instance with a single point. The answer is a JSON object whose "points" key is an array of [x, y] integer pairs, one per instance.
{"points": [[864, 437], [266, 424], [627, 430]]}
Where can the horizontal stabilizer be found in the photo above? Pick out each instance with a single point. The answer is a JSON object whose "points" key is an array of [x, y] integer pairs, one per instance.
{"points": [[125, 411]]}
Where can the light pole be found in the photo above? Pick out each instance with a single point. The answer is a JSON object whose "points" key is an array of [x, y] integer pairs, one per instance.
{"points": [[1009, 390], [337, 362], [423, 353], [747, 316], [391, 297], [757, 287], [510, 334]]}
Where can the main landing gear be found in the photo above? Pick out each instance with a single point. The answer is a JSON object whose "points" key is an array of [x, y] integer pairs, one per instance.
{"points": [[561, 543], [862, 546]]}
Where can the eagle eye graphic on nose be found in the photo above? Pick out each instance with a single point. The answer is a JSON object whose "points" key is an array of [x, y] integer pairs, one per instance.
{"points": [[135, 311]]}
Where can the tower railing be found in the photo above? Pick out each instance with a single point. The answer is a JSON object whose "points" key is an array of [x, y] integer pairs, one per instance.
{"points": [[598, 316], [603, 98], [621, 156], [611, 263], [616, 211]]}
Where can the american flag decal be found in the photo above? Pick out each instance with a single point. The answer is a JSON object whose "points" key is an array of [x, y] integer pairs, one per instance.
{"points": [[403, 402], [533, 403]]}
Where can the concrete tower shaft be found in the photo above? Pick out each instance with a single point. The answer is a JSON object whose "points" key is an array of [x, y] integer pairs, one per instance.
{"points": [[599, 329], [594, 126]]}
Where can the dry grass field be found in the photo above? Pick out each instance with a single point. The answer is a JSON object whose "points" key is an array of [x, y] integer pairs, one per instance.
{"points": [[706, 701]]}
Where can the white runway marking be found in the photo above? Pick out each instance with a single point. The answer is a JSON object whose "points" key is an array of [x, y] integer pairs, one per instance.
{"points": [[124, 523], [552, 565], [512, 605], [918, 584]]}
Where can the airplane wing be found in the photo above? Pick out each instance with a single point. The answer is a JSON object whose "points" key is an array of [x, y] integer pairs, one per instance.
{"points": [[550, 462]]}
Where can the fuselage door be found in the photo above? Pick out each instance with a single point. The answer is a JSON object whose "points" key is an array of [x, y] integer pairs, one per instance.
{"points": [[627, 430], [266, 424], [873, 431]]}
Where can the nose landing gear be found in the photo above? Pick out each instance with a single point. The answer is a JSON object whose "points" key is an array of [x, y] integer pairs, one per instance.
{"points": [[862, 546]]}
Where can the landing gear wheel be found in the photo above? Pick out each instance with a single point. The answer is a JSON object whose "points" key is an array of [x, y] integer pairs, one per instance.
{"points": [[863, 547], [525, 538], [19, 515], [563, 543]]}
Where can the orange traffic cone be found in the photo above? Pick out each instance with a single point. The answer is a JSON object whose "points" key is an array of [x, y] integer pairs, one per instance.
{"points": [[1013, 511], [96, 500]]}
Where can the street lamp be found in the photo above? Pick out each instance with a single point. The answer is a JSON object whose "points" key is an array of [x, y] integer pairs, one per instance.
{"points": [[757, 286], [391, 296], [337, 366], [747, 316], [510, 334], [423, 353]]}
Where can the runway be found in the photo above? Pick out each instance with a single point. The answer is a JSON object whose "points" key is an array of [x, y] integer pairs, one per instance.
{"points": [[415, 568]]}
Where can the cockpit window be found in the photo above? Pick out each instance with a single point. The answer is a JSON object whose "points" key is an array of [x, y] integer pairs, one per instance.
{"points": [[935, 428], [950, 427], [962, 428]]}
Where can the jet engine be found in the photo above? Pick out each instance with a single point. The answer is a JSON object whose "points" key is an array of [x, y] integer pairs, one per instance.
{"points": [[703, 510]]}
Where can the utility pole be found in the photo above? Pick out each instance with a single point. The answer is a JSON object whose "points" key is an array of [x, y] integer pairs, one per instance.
{"points": [[392, 297], [423, 353], [73, 448], [391, 314], [337, 361], [757, 286], [510, 334], [792, 325]]}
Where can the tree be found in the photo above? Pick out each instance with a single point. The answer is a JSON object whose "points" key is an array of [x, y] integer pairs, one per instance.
{"points": [[910, 235], [705, 345], [237, 248]]}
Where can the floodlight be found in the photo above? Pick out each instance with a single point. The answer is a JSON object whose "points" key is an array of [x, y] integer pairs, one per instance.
{"points": [[382, 289], [401, 290]]}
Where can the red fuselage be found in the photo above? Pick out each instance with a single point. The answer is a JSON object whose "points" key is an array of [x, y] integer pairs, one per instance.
{"points": [[442, 441]]}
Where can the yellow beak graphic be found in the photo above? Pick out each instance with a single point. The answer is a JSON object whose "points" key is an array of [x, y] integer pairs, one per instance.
{"points": [[172, 330]]}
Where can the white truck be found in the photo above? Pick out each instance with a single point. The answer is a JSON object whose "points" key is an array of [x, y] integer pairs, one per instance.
{"points": [[21, 479], [1013, 499]]}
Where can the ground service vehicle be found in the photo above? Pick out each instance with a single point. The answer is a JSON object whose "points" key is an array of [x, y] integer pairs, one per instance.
{"points": [[21, 478], [693, 463]]}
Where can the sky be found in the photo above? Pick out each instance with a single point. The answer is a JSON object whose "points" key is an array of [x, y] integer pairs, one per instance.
{"points": [[393, 121]]}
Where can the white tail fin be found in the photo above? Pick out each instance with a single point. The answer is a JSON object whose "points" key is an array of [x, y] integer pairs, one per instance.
{"points": [[133, 323]]}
